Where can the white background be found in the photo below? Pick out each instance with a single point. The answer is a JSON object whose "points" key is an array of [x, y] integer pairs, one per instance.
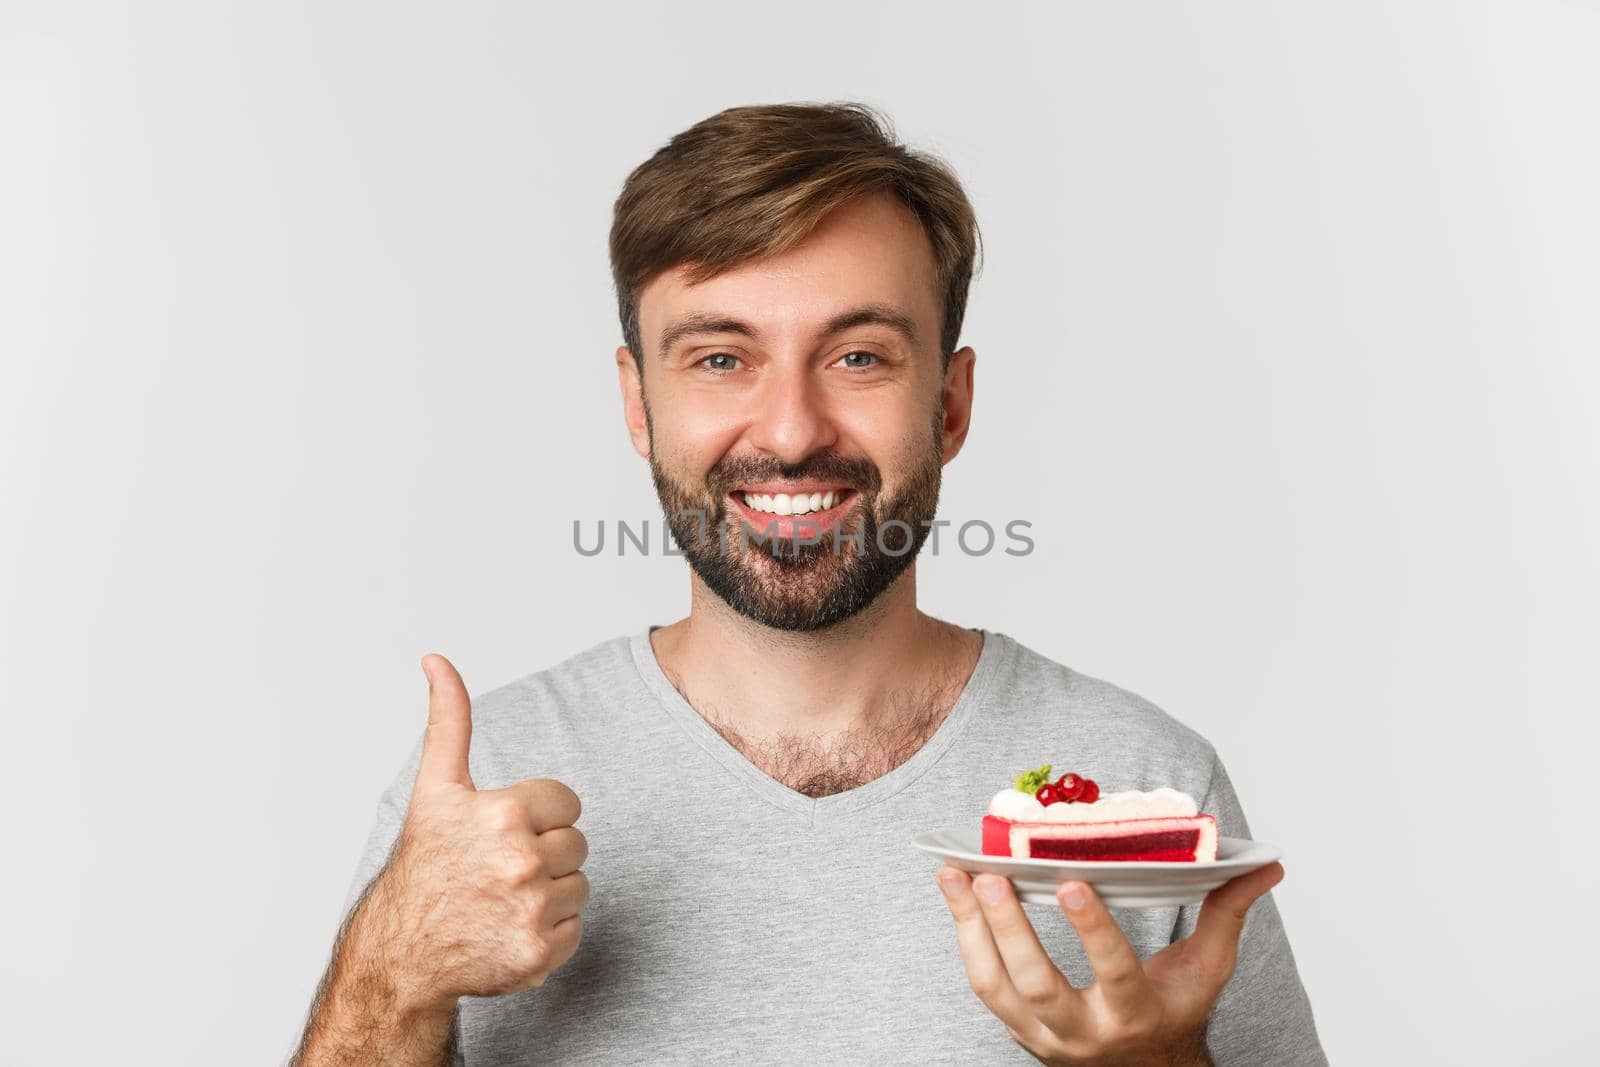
{"points": [[1289, 347]]}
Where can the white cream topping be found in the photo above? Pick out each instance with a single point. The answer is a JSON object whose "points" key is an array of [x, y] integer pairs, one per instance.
{"points": [[791, 504], [1160, 803]]}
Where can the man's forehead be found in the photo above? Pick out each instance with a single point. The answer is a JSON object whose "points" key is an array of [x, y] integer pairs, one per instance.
{"points": [[867, 254]]}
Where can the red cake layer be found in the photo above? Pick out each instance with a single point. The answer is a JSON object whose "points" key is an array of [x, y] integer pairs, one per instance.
{"points": [[1174, 839], [1173, 845]]}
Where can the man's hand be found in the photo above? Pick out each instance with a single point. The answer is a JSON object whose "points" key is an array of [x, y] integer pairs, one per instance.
{"points": [[480, 897], [483, 893], [1134, 1013]]}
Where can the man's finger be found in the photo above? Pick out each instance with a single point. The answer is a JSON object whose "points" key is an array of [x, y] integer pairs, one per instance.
{"points": [[449, 734], [1117, 970], [564, 850], [1221, 921], [567, 896], [550, 804], [1044, 988], [986, 971]]}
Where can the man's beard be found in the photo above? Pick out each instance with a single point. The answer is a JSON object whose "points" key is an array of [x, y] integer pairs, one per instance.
{"points": [[785, 583]]}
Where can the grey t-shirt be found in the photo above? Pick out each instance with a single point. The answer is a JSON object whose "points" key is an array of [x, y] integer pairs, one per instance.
{"points": [[734, 920]]}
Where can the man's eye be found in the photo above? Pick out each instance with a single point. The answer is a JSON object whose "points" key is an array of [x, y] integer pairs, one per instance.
{"points": [[721, 361], [858, 360]]}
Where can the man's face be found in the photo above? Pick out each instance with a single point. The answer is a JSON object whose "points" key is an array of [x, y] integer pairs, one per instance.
{"points": [[801, 399]]}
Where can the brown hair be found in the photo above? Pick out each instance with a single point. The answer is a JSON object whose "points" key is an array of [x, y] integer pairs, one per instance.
{"points": [[751, 182]]}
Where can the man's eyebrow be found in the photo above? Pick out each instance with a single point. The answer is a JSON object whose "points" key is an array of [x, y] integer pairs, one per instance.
{"points": [[865, 315], [875, 315], [703, 323]]}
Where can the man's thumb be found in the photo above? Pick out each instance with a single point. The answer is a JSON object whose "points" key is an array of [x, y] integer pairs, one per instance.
{"points": [[449, 735]]}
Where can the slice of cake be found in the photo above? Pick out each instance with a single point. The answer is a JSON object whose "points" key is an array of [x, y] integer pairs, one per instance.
{"points": [[1070, 820]]}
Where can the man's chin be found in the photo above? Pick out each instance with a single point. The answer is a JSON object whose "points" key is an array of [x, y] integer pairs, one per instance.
{"points": [[803, 589]]}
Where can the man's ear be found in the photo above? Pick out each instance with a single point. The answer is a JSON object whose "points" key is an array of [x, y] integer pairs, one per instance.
{"points": [[633, 401], [957, 401]]}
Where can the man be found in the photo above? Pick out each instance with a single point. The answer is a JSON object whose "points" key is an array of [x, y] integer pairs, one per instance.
{"points": [[791, 285]]}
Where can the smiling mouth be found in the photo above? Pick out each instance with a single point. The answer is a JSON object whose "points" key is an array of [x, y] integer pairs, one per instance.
{"points": [[804, 510], [792, 503]]}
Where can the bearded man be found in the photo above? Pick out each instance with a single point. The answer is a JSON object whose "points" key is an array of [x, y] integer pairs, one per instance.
{"points": [[791, 284]]}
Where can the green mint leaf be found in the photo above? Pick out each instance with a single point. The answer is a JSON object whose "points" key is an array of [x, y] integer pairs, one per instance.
{"points": [[1030, 781]]}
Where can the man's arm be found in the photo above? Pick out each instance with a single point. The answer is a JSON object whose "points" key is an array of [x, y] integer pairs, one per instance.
{"points": [[480, 895], [1263, 1014], [359, 1016]]}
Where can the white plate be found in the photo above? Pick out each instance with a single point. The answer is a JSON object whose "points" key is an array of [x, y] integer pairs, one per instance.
{"points": [[1120, 885]]}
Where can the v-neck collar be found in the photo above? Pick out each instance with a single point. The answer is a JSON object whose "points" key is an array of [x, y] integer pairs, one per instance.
{"points": [[997, 651]]}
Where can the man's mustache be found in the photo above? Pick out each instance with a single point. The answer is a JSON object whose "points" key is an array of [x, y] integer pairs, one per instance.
{"points": [[855, 472]]}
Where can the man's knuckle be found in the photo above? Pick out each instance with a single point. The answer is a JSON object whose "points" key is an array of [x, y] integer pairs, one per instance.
{"points": [[567, 840], [533, 953], [1119, 972], [524, 866], [573, 803], [1037, 990], [986, 984], [505, 813], [556, 796], [1093, 924], [535, 908]]}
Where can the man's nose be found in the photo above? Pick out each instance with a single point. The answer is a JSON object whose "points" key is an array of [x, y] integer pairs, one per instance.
{"points": [[792, 420]]}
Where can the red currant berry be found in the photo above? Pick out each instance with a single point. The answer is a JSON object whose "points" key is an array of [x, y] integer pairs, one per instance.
{"points": [[1070, 787], [1091, 792], [1046, 794]]}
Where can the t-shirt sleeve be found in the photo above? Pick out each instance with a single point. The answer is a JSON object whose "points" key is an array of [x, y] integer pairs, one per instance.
{"points": [[1263, 1015]]}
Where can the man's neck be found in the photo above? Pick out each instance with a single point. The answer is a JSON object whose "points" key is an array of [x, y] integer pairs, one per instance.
{"points": [[822, 710]]}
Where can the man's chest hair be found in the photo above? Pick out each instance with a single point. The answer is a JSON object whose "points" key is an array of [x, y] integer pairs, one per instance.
{"points": [[821, 765]]}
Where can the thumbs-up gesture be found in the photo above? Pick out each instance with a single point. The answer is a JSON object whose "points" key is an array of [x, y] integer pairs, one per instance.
{"points": [[483, 892]]}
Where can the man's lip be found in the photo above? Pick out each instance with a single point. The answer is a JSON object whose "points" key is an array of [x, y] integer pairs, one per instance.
{"points": [[792, 488], [792, 525]]}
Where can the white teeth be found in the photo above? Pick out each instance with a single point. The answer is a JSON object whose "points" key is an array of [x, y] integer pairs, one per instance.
{"points": [[797, 504]]}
